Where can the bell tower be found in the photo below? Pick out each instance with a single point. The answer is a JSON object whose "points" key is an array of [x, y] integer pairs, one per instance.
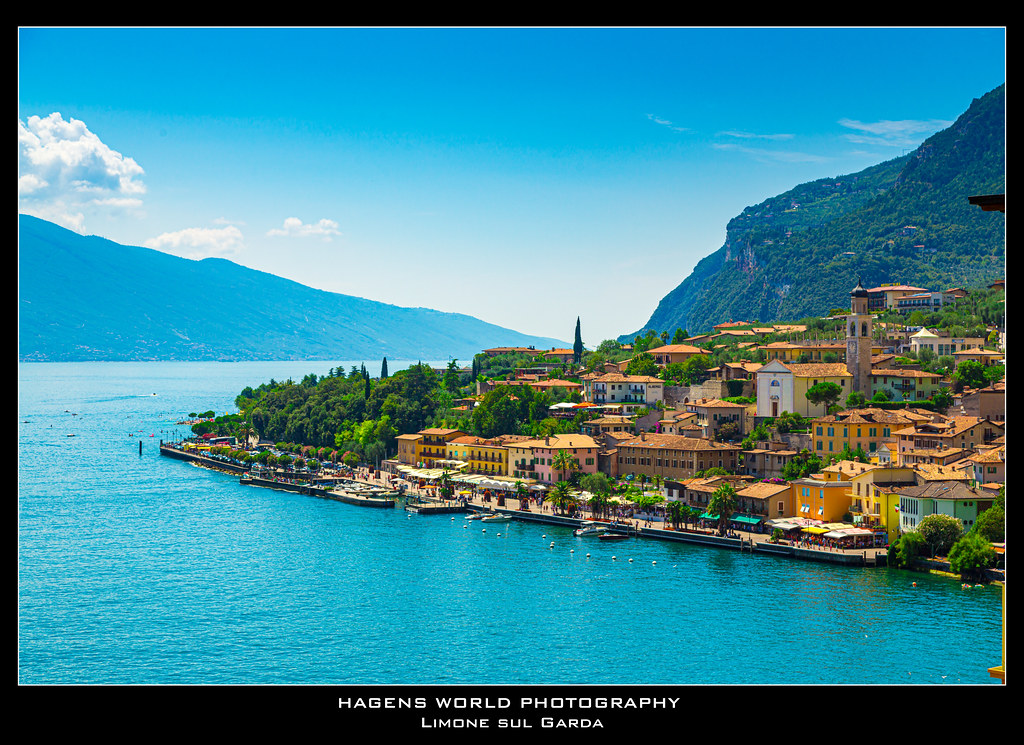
{"points": [[858, 341]]}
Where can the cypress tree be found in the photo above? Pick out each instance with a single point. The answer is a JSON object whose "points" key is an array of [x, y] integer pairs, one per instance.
{"points": [[384, 368], [577, 347]]}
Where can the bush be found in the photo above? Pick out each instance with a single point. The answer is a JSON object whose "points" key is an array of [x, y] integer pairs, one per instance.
{"points": [[908, 548], [940, 532], [971, 555]]}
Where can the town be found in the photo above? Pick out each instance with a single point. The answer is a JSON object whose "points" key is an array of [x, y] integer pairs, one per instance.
{"points": [[856, 435]]}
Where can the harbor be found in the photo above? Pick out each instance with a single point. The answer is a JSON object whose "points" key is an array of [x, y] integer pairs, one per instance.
{"points": [[368, 487]]}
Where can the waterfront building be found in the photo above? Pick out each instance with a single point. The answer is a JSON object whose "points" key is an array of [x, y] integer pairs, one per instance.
{"points": [[820, 499], [479, 454], [674, 456], [432, 445], [873, 500], [953, 498], [765, 500], [409, 449], [535, 458]]}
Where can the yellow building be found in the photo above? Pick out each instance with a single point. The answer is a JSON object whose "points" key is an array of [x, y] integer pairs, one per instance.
{"points": [[865, 428], [426, 446], [481, 455], [820, 499], [874, 502]]}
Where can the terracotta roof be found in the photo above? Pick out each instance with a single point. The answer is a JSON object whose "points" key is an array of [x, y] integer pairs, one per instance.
{"points": [[819, 370], [676, 442], [761, 490], [676, 348]]}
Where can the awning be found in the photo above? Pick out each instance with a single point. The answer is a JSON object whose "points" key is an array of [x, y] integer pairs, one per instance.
{"points": [[816, 530], [746, 519]]}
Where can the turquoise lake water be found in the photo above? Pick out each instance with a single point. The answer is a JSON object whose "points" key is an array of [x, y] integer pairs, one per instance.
{"points": [[137, 569]]}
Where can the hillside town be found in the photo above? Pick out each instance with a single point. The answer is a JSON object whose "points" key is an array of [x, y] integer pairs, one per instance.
{"points": [[848, 439]]}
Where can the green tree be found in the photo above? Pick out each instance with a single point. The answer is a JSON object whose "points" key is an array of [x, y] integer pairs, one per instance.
{"points": [[940, 532], [680, 336], [971, 555], [560, 496], [991, 524], [722, 504], [826, 393], [563, 461], [384, 368], [577, 345], [642, 364], [856, 400], [969, 374], [908, 548]]}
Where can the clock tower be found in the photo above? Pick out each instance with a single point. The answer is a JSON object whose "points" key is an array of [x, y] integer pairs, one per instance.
{"points": [[858, 341]]}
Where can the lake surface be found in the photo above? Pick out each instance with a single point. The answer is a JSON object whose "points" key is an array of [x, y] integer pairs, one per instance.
{"points": [[138, 569]]}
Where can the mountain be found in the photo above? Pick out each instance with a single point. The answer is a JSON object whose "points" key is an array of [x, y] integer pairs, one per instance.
{"points": [[905, 221], [87, 298]]}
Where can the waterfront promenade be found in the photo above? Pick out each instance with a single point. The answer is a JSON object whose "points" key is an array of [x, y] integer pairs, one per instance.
{"points": [[642, 526]]}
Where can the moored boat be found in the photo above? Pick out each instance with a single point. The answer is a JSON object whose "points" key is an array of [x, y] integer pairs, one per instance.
{"points": [[590, 527], [606, 536], [495, 518]]}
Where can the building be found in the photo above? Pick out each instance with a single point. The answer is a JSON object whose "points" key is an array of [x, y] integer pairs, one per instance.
{"points": [[820, 499], [953, 498], [765, 500], [986, 403], [866, 429], [904, 384], [712, 413], [884, 297], [783, 386], [957, 433], [536, 459], [858, 341], [637, 391], [674, 456], [669, 353], [767, 460], [479, 454]]}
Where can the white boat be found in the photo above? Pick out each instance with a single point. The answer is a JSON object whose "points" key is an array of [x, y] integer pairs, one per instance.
{"points": [[590, 527], [495, 518]]}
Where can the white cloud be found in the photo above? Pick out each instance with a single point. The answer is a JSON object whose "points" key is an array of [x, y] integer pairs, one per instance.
{"points": [[754, 136], [904, 133], [294, 227], [65, 171], [667, 123], [199, 243]]}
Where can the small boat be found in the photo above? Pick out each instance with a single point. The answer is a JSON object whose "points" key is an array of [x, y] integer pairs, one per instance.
{"points": [[477, 516], [606, 536], [495, 518], [590, 527]]}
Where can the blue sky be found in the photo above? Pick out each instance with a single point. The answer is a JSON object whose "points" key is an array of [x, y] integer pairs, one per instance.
{"points": [[522, 176]]}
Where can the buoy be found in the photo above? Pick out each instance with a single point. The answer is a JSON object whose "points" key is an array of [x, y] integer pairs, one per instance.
{"points": [[631, 561], [914, 584], [572, 550], [654, 562], [614, 558], [588, 556]]}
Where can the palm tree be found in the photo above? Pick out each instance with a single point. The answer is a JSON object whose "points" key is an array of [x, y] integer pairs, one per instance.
{"points": [[562, 462], [723, 504], [560, 495]]}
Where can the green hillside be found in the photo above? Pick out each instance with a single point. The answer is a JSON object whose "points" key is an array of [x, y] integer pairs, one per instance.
{"points": [[907, 220]]}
